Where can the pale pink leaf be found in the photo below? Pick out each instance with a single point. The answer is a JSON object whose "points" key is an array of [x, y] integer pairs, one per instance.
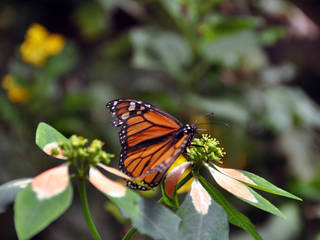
{"points": [[236, 175], [51, 182], [173, 178], [200, 197], [235, 187], [54, 145], [115, 171], [106, 185]]}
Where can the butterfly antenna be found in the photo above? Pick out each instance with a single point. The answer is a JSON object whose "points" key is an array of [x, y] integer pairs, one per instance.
{"points": [[202, 129], [216, 123], [203, 116]]}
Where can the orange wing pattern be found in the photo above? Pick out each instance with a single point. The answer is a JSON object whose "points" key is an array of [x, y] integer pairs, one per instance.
{"points": [[151, 140]]}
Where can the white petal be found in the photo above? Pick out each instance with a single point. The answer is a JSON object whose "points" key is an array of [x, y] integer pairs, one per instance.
{"points": [[51, 182], [115, 171], [54, 145], [236, 175], [106, 185], [173, 178], [200, 197], [233, 186]]}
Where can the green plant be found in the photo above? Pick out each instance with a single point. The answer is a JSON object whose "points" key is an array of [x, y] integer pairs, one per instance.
{"points": [[204, 212]]}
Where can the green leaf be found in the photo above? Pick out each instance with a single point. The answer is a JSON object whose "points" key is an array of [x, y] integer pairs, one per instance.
{"points": [[266, 186], [9, 191], [9, 112], [90, 19], [217, 26], [286, 107], [272, 34], [211, 226], [46, 134], [263, 204], [62, 63], [150, 218], [184, 19], [31, 215], [226, 108], [174, 9], [160, 50], [244, 192], [228, 50], [171, 202], [234, 216]]}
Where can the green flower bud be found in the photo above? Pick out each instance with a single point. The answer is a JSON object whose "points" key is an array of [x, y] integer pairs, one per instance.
{"points": [[78, 141], [95, 146], [205, 149], [54, 151]]}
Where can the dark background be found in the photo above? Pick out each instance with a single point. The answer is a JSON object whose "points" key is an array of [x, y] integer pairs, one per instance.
{"points": [[255, 64]]}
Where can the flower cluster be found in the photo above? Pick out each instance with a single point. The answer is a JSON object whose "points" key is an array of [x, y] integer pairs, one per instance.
{"points": [[206, 152], [204, 149], [84, 158], [16, 92], [92, 154], [39, 44]]}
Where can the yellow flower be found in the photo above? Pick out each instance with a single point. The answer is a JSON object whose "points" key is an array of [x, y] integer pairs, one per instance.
{"points": [[186, 187], [39, 44], [55, 44], [16, 93]]}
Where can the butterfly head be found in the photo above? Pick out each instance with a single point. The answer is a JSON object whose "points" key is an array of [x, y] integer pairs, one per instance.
{"points": [[187, 129]]}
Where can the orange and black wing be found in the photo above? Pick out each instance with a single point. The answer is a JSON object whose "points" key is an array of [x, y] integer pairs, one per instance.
{"points": [[149, 164], [151, 140], [140, 122]]}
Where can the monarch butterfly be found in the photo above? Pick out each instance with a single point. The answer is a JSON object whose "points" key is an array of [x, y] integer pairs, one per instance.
{"points": [[150, 138]]}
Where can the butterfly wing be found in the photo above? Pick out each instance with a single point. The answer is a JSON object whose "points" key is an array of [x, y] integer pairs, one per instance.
{"points": [[151, 140], [140, 122], [149, 164]]}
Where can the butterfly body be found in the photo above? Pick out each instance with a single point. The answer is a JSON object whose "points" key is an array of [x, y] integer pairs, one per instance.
{"points": [[151, 140]]}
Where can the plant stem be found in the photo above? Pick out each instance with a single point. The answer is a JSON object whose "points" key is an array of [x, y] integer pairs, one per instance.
{"points": [[129, 234], [184, 180], [86, 211]]}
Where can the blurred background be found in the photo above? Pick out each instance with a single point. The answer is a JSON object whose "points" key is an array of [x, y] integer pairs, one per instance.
{"points": [[254, 63]]}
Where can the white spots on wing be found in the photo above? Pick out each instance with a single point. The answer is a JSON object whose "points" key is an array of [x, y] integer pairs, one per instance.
{"points": [[136, 186], [115, 103], [132, 107], [117, 122], [125, 115]]}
